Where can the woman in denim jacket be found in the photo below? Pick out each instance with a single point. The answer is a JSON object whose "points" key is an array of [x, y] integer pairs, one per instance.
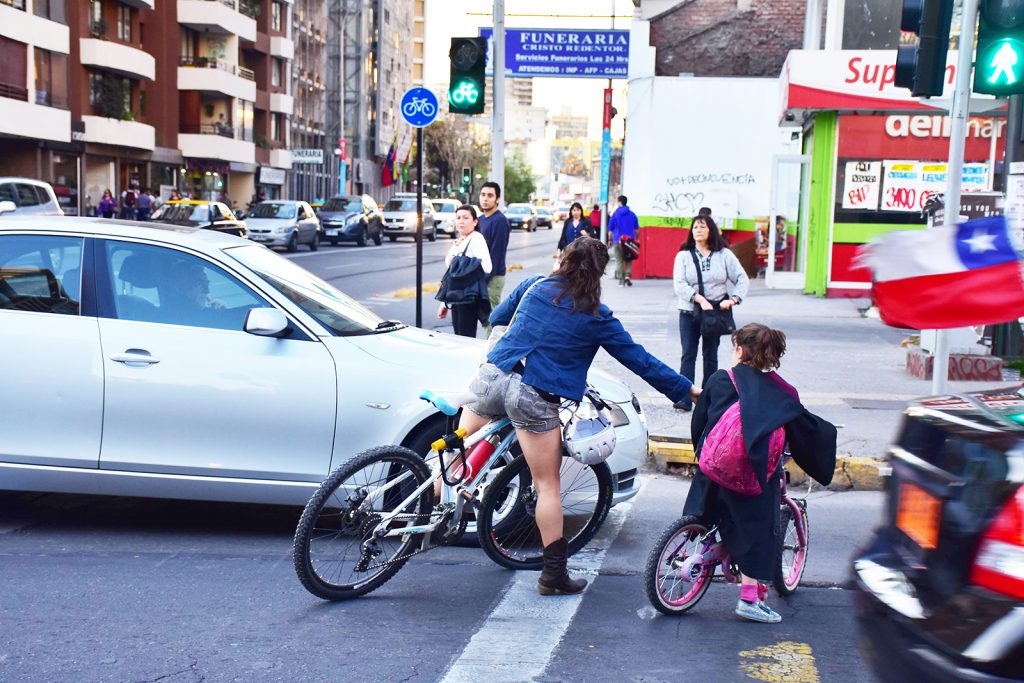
{"points": [[544, 357]]}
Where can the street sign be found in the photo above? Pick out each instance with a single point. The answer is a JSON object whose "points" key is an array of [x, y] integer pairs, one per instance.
{"points": [[606, 144], [419, 107], [576, 53], [307, 156]]}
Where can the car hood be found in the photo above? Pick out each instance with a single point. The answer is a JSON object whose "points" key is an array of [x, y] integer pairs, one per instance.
{"points": [[339, 216], [457, 358], [271, 223]]}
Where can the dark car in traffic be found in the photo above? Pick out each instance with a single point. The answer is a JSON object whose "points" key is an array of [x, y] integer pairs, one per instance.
{"points": [[351, 218], [939, 588], [200, 214]]}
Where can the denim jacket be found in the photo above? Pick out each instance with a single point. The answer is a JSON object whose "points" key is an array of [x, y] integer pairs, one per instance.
{"points": [[559, 344]]}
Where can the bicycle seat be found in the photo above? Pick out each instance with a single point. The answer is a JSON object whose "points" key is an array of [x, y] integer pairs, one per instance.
{"points": [[448, 404]]}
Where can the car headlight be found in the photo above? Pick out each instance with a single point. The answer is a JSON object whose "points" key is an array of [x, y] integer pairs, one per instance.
{"points": [[619, 417], [639, 410], [283, 229], [351, 221]]}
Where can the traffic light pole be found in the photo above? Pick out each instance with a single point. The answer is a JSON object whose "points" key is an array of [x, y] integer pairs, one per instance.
{"points": [[498, 110], [955, 167]]}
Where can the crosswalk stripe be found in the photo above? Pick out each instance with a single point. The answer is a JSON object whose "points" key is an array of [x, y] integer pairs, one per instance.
{"points": [[518, 638]]}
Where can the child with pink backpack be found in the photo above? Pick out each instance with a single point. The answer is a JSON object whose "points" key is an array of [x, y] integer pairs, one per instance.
{"points": [[739, 427]]}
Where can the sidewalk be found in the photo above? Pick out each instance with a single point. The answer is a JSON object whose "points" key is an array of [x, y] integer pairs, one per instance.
{"points": [[848, 369]]}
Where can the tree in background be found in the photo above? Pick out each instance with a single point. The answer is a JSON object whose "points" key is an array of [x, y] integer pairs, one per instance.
{"points": [[449, 147], [519, 184]]}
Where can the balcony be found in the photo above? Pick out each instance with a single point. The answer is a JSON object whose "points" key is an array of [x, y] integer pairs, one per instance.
{"points": [[281, 103], [25, 119], [281, 158], [215, 141], [282, 47], [216, 16], [121, 59], [107, 131], [24, 27], [211, 75]]}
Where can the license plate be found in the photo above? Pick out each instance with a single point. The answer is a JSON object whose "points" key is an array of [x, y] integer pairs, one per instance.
{"points": [[918, 515], [257, 238], [332, 232]]}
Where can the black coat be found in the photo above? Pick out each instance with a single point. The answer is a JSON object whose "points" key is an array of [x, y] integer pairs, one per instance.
{"points": [[465, 282], [749, 524], [569, 234]]}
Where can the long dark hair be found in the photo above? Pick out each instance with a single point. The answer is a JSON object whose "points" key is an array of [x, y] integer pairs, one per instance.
{"points": [[580, 270], [762, 346], [577, 205], [715, 240]]}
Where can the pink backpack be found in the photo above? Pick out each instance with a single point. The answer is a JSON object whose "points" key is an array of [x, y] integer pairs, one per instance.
{"points": [[724, 459]]}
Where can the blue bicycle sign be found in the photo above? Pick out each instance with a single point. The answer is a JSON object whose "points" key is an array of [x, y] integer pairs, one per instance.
{"points": [[419, 107]]}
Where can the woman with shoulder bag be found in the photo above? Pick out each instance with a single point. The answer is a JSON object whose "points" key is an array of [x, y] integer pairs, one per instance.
{"points": [[470, 244], [555, 327], [705, 271]]}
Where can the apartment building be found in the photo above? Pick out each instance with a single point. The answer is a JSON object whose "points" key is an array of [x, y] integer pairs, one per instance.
{"points": [[311, 179], [192, 95]]}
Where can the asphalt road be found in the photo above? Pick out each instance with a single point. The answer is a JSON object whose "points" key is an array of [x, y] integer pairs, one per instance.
{"points": [[117, 589]]}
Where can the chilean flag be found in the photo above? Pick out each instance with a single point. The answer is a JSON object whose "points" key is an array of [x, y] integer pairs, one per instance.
{"points": [[949, 276]]}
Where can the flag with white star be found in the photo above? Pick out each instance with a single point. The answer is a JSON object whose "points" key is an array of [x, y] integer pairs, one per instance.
{"points": [[948, 276]]}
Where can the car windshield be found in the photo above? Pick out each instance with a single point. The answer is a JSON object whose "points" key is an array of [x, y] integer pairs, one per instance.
{"points": [[401, 205], [273, 210], [445, 207], [518, 210], [342, 204], [336, 311], [544, 211], [186, 213]]}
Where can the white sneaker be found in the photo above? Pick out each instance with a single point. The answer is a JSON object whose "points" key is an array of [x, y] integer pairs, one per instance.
{"points": [[757, 611]]}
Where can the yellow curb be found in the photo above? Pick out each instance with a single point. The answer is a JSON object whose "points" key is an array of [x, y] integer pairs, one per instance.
{"points": [[514, 266], [856, 472], [410, 292]]}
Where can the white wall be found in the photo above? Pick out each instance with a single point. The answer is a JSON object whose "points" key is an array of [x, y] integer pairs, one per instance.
{"points": [[694, 142]]}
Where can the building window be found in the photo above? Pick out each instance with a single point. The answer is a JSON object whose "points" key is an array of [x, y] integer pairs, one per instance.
{"points": [[16, 4], [124, 23], [54, 10], [110, 96], [51, 78], [276, 20], [13, 66], [275, 72]]}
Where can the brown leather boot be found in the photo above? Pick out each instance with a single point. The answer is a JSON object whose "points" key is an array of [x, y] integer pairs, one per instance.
{"points": [[555, 579]]}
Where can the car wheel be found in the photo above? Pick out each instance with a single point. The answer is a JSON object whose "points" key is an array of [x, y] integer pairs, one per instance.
{"points": [[315, 244], [378, 239], [432, 236], [293, 242], [361, 240]]}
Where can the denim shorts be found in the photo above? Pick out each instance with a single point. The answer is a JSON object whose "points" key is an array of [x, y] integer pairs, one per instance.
{"points": [[500, 394]]}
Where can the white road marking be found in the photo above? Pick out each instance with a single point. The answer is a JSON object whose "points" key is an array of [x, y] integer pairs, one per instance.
{"points": [[519, 637]]}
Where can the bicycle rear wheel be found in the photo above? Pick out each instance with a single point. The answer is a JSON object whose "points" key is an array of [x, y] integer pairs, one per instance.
{"points": [[507, 528], [667, 589], [335, 552], [791, 550]]}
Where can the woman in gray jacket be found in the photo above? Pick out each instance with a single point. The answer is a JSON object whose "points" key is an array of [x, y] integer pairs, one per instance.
{"points": [[725, 286]]}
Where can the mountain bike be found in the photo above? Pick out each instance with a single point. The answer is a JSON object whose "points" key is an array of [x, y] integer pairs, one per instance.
{"points": [[683, 562], [378, 510]]}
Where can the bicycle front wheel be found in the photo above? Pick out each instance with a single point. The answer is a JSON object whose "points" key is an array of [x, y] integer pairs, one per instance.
{"points": [[336, 552], [672, 587], [506, 522], [791, 550]]}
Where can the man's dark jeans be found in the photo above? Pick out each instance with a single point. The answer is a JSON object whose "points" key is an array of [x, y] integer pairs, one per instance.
{"points": [[689, 334]]}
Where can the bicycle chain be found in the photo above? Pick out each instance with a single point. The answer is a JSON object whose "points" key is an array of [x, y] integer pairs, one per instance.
{"points": [[402, 558]]}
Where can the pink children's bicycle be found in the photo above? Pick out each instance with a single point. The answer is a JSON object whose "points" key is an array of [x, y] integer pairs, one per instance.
{"points": [[683, 562]]}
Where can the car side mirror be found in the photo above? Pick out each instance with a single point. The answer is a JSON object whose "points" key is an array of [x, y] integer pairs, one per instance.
{"points": [[266, 322], [8, 207]]}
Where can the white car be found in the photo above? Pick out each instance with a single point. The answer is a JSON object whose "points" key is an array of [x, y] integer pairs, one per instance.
{"points": [[174, 362], [444, 215]]}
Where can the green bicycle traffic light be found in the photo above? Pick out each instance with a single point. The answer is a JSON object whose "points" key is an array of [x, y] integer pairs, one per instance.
{"points": [[999, 61], [466, 85]]}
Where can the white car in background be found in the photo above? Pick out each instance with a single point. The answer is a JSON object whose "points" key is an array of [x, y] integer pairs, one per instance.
{"points": [[444, 215], [176, 362]]}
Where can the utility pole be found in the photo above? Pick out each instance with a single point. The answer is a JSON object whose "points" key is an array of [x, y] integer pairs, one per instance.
{"points": [[955, 168], [606, 165], [498, 110]]}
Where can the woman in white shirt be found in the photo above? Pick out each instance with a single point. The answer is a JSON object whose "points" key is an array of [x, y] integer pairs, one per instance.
{"points": [[470, 242]]}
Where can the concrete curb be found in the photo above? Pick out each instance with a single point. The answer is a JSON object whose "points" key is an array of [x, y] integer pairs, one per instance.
{"points": [[853, 473]]}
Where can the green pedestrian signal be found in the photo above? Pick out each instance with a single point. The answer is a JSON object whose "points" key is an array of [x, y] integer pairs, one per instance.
{"points": [[466, 85], [999, 60]]}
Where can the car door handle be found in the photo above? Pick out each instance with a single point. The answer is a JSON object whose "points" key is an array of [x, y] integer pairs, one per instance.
{"points": [[135, 358]]}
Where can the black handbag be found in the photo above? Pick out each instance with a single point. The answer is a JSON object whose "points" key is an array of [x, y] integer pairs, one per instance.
{"points": [[717, 322]]}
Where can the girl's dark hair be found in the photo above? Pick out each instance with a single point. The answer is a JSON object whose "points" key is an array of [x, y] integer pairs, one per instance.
{"points": [[580, 270], [763, 346], [715, 239], [704, 211], [574, 206], [467, 207]]}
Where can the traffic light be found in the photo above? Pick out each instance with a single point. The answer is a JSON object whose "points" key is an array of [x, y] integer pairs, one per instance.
{"points": [[999, 65], [467, 177], [921, 64], [466, 86]]}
